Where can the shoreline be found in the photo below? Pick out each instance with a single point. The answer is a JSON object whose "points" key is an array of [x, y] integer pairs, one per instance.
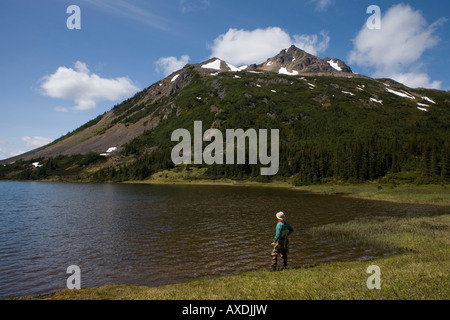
{"points": [[422, 241], [430, 194], [424, 194]]}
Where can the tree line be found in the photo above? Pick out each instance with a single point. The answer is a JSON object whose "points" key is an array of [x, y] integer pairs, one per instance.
{"points": [[312, 162]]}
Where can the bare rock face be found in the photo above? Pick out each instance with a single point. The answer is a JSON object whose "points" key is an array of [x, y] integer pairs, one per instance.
{"points": [[295, 61]]}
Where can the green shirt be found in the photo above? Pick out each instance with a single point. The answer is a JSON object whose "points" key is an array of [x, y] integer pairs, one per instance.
{"points": [[280, 228]]}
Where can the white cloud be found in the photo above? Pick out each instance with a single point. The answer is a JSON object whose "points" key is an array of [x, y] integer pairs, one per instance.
{"points": [[416, 80], [167, 65], [84, 87], [395, 50], [311, 43], [255, 46], [36, 141], [322, 4]]}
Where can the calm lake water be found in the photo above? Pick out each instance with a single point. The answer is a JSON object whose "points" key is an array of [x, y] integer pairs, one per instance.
{"points": [[158, 234]]}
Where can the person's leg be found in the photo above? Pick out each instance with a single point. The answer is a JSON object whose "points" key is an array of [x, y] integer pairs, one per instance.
{"points": [[284, 253], [277, 249], [274, 256], [285, 258]]}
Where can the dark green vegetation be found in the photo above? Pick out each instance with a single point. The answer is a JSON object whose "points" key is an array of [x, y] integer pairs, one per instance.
{"points": [[326, 133], [65, 168]]}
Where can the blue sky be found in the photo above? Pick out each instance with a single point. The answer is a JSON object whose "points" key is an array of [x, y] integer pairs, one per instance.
{"points": [[54, 79]]}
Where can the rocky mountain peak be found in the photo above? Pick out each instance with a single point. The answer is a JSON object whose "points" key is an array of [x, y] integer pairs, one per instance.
{"points": [[295, 61], [290, 61]]}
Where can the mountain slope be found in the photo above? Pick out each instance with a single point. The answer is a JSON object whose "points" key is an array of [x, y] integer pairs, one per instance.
{"points": [[131, 118], [333, 124]]}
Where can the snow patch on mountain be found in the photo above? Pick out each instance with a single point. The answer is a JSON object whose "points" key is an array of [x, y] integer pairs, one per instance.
{"points": [[232, 68], [334, 65], [215, 65], [361, 87], [377, 101], [283, 70], [428, 99], [401, 94], [109, 151]]}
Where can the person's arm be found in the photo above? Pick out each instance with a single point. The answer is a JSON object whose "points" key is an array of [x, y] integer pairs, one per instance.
{"points": [[289, 228]]}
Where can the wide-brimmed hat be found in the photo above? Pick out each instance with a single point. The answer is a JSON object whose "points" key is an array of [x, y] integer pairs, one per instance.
{"points": [[280, 215]]}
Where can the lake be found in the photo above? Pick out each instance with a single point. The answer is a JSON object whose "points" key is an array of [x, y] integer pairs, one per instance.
{"points": [[159, 234]]}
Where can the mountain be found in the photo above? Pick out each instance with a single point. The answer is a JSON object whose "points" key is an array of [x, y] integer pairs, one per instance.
{"points": [[294, 61], [334, 124], [118, 126]]}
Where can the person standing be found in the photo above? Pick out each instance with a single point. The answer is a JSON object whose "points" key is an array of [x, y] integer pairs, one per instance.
{"points": [[280, 242]]}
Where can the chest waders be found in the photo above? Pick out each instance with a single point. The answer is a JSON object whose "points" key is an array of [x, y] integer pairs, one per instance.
{"points": [[281, 248]]}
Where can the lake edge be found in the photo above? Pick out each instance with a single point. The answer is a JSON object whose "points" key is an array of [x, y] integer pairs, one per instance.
{"points": [[398, 284]]}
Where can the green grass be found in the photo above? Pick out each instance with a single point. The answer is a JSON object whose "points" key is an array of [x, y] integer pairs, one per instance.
{"points": [[407, 193], [420, 272]]}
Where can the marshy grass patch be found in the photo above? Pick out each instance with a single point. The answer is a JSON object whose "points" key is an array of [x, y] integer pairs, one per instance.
{"points": [[434, 194]]}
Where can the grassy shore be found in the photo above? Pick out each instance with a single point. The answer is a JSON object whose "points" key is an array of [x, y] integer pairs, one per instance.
{"points": [[434, 194], [420, 271], [406, 193]]}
